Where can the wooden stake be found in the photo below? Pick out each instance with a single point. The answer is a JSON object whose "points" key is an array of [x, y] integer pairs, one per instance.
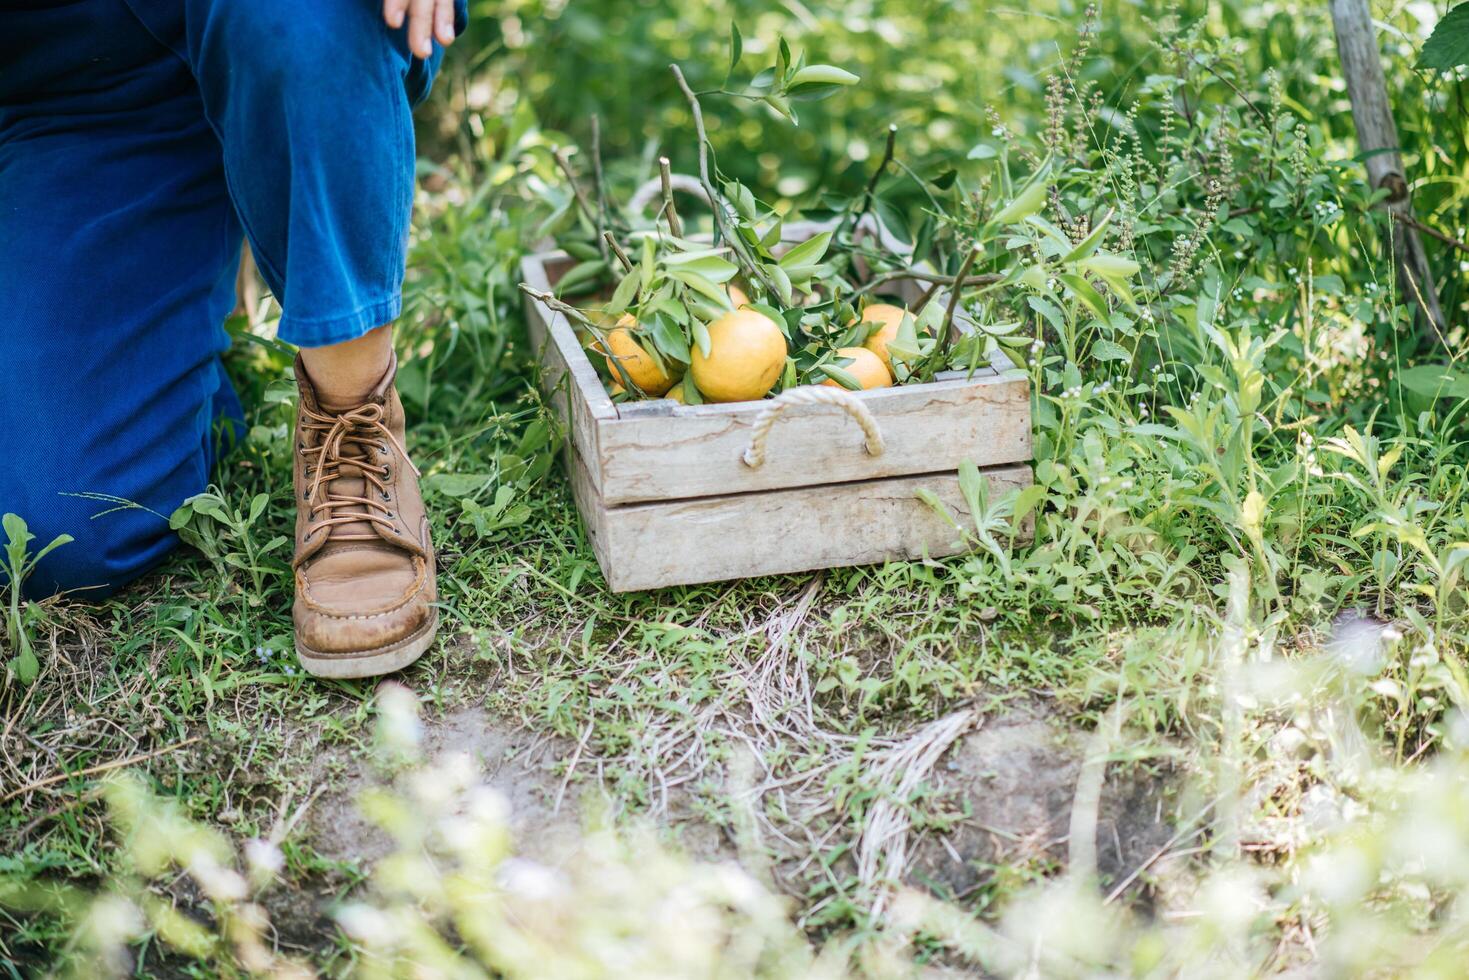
{"points": [[1377, 135]]}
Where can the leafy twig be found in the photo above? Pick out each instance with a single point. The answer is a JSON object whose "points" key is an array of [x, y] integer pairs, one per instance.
{"points": [[611, 241], [919, 275], [581, 198], [599, 182], [887, 158], [716, 201], [571, 312], [946, 328]]}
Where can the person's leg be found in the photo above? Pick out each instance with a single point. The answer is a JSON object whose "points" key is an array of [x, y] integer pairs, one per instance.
{"points": [[346, 371], [117, 248], [312, 103]]}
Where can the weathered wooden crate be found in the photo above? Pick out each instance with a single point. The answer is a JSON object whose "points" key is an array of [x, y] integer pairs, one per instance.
{"points": [[669, 499]]}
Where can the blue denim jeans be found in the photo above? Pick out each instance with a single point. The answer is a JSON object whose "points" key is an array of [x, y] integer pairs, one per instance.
{"points": [[140, 142]]}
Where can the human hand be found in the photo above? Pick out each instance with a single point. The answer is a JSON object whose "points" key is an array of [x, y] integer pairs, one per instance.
{"points": [[427, 20]]}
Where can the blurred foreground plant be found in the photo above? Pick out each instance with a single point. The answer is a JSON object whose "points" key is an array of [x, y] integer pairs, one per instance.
{"points": [[450, 900]]}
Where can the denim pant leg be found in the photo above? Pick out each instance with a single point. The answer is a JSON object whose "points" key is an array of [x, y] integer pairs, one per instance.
{"points": [[117, 250], [311, 103], [134, 137]]}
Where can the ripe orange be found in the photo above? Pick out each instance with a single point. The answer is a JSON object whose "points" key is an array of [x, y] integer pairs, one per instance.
{"points": [[891, 318], [644, 371], [866, 367], [738, 297], [746, 354]]}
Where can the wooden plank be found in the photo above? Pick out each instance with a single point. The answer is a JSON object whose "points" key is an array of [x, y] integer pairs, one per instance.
{"points": [[1377, 133], [572, 384], [697, 450], [654, 545]]}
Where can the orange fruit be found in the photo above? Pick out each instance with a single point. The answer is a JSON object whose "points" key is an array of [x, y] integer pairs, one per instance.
{"points": [[866, 367], [746, 354], [639, 365], [891, 318], [738, 297]]}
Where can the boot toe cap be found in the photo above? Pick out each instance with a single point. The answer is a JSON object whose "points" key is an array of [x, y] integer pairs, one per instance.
{"points": [[361, 602]]}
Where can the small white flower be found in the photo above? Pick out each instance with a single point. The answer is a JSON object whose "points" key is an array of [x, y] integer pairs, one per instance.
{"points": [[264, 858]]}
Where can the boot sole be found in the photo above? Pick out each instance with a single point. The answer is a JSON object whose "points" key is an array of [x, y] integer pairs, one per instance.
{"points": [[343, 666]]}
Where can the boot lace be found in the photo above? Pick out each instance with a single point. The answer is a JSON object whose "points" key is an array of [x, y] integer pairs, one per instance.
{"points": [[362, 429]]}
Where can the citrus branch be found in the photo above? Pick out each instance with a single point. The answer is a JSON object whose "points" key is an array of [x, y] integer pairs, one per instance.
{"points": [[946, 328], [599, 181], [571, 312], [581, 198], [665, 174], [611, 241], [887, 158], [716, 200]]}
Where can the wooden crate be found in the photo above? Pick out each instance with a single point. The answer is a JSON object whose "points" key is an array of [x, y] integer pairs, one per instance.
{"points": [[669, 499]]}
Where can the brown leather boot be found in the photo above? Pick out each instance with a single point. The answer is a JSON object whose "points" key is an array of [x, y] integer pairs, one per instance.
{"points": [[365, 584]]}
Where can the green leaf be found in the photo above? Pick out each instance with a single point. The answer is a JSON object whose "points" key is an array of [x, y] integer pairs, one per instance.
{"points": [[781, 105], [710, 267], [782, 282], [26, 666], [945, 180], [626, 292], [1448, 46], [808, 252], [1110, 266], [1029, 201], [815, 93], [894, 220], [580, 275], [1436, 380], [822, 75], [1106, 350], [670, 340], [736, 48], [700, 284], [701, 337], [1085, 292], [457, 484], [16, 530], [773, 315], [839, 376], [648, 265], [1090, 243]]}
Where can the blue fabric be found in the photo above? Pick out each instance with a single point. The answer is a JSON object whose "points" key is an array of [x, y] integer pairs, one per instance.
{"points": [[139, 141]]}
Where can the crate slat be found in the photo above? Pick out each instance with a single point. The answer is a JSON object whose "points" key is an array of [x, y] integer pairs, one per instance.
{"points": [[711, 539], [696, 451]]}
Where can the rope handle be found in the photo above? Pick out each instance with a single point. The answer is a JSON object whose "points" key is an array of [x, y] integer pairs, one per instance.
{"points": [[754, 456]]}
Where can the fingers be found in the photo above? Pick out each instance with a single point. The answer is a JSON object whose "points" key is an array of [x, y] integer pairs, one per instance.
{"points": [[420, 27], [393, 11], [444, 22]]}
